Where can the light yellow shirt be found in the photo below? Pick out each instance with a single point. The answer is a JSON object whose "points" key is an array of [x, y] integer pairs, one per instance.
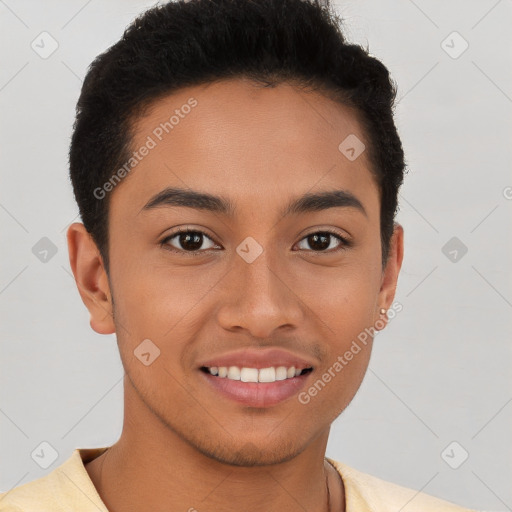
{"points": [[68, 488]]}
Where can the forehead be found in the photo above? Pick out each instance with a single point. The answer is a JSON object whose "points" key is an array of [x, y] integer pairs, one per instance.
{"points": [[234, 135]]}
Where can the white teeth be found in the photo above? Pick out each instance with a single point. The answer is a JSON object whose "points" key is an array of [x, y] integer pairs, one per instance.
{"points": [[249, 375], [270, 374], [281, 373], [267, 375], [234, 373]]}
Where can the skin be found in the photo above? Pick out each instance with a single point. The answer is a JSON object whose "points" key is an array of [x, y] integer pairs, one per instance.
{"points": [[183, 445]]}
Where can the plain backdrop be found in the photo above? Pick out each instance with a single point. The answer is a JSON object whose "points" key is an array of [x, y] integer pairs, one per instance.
{"points": [[434, 412]]}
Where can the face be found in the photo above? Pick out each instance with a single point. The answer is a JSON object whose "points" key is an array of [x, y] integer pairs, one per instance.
{"points": [[267, 288]]}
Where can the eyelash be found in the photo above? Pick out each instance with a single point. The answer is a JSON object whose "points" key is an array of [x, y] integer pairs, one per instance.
{"points": [[345, 244]]}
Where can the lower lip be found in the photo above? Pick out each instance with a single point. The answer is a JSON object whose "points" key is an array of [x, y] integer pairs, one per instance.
{"points": [[257, 394]]}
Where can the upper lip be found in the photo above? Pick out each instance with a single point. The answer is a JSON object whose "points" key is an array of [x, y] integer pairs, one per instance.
{"points": [[263, 358]]}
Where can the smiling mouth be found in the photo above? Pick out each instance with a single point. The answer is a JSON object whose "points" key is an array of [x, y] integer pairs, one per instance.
{"points": [[258, 375]]}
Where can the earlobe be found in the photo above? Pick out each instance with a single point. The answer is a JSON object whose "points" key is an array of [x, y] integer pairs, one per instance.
{"points": [[91, 278], [390, 276]]}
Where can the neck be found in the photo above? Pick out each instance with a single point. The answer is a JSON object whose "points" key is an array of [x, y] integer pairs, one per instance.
{"points": [[151, 467]]}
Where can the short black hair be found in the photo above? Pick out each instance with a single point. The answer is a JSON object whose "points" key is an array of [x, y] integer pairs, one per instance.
{"points": [[191, 42]]}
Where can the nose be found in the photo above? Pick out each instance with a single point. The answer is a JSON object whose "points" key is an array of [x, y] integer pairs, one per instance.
{"points": [[257, 298]]}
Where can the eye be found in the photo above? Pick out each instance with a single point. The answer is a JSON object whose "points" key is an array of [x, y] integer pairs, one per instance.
{"points": [[189, 240], [319, 241]]}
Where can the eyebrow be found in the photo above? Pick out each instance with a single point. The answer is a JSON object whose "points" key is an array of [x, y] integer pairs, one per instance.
{"points": [[309, 202]]}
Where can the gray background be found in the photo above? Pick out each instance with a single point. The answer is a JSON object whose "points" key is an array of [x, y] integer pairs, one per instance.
{"points": [[439, 373]]}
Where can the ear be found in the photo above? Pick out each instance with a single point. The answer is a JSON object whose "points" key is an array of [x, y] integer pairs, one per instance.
{"points": [[91, 278], [390, 274]]}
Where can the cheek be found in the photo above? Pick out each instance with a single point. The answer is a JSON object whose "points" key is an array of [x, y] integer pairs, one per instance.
{"points": [[157, 303], [146, 292], [343, 297], [335, 384], [343, 304]]}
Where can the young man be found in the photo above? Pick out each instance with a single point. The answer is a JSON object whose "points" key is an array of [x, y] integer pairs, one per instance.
{"points": [[236, 166]]}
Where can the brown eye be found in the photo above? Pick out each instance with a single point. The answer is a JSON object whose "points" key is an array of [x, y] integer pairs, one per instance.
{"points": [[323, 240], [187, 241]]}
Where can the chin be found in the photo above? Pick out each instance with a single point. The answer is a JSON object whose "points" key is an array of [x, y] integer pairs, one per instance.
{"points": [[250, 454]]}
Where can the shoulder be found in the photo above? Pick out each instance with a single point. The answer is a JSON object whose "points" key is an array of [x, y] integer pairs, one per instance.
{"points": [[36, 495], [368, 493], [66, 488]]}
